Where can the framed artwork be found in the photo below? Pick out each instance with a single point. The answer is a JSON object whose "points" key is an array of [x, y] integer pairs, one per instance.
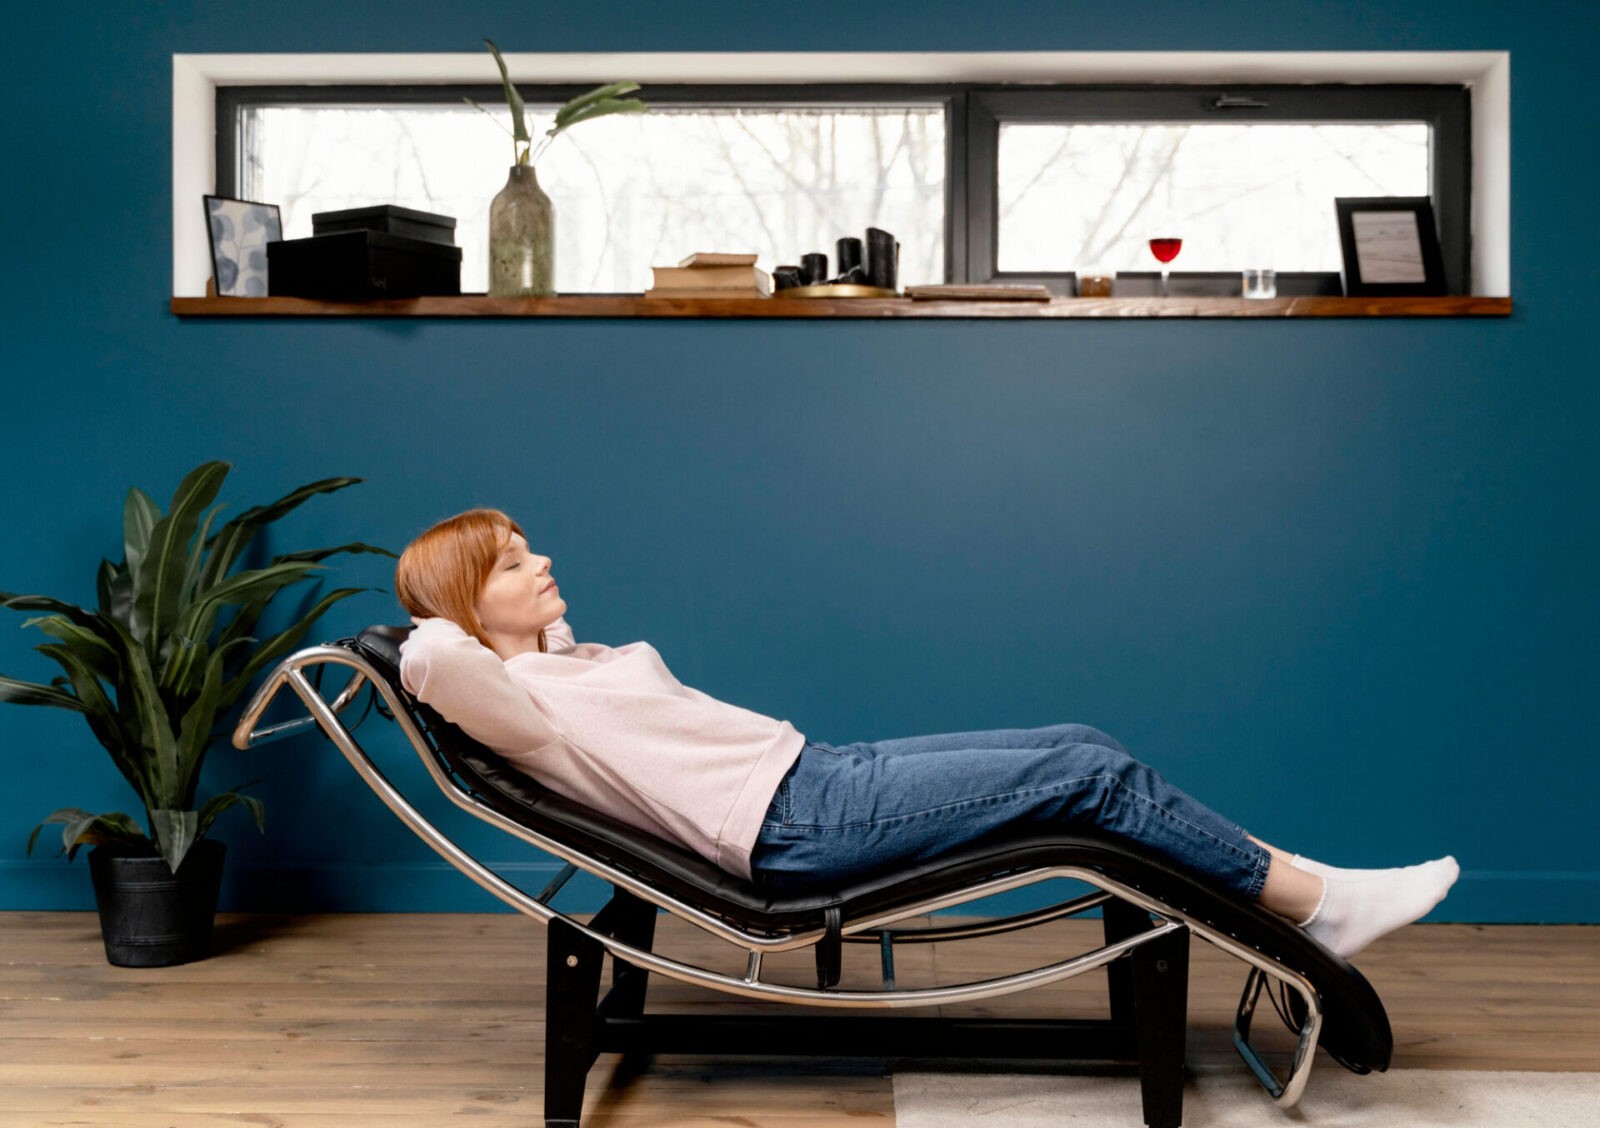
{"points": [[240, 231], [1390, 246]]}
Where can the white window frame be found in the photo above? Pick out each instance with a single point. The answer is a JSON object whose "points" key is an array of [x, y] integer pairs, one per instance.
{"points": [[195, 79]]}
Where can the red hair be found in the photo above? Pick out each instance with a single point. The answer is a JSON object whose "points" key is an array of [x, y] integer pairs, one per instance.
{"points": [[441, 574]]}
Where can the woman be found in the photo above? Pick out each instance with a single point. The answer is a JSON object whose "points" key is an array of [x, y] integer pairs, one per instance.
{"points": [[613, 729]]}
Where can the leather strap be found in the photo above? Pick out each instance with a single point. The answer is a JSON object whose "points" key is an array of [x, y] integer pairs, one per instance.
{"points": [[830, 948]]}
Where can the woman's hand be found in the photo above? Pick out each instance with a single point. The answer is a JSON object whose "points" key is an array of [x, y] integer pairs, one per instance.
{"points": [[467, 683], [558, 636]]}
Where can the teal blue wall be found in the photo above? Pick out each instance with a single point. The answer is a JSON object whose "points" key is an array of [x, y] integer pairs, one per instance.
{"points": [[1336, 578]]}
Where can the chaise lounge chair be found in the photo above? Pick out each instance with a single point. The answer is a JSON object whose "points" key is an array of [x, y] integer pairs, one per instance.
{"points": [[1150, 911]]}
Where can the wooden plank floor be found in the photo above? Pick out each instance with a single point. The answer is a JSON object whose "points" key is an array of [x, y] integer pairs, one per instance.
{"points": [[401, 1021]]}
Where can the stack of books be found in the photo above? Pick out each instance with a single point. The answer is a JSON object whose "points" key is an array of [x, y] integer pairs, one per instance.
{"points": [[711, 275]]}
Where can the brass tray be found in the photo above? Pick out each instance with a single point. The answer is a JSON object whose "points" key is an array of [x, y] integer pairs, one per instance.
{"points": [[836, 290]]}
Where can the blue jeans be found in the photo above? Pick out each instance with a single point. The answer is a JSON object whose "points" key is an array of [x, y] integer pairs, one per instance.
{"points": [[863, 808]]}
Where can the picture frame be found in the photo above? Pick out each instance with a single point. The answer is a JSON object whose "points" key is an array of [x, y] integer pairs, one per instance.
{"points": [[1390, 246], [239, 231]]}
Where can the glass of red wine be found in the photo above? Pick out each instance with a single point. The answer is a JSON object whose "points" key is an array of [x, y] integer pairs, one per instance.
{"points": [[1165, 249]]}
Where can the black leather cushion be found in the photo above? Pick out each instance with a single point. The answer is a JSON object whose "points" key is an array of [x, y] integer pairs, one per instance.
{"points": [[1356, 1027]]}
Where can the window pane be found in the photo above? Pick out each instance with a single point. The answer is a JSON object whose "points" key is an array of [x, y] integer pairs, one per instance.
{"points": [[1080, 196], [630, 192]]}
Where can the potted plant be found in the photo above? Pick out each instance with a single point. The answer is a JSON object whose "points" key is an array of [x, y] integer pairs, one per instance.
{"points": [[521, 217], [169, 648]]}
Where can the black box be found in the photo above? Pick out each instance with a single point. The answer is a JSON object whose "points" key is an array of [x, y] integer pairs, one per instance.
{"points": [[357, 265], [389, 219]]}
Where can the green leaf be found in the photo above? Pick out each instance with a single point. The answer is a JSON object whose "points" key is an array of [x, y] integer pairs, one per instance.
{"points": [[116, 592], [175, 831], [158, 587], [183, 656], [67, 815], [28, 693], [242, 587], [280, 644], [232, 539], [195, 731], [139, 516], [44, 603], [153, 727], [89, 661], [316, 555], [103, 581], [603, 109], [220, 803], [243, 623], [80, 832], [144, 719], [88, 645], [513, 99], [99, 712], [568, 114], [197, 558], [80, 828], [199, 621]]}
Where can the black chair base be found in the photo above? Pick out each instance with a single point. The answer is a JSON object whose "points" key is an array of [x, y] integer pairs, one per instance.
{"points": [[1149, 992]]}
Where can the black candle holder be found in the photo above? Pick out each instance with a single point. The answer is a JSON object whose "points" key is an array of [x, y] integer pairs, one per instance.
{"points": [[849, 254], [883, 259]]}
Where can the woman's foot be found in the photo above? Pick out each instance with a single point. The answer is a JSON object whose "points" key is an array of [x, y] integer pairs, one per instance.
{"points": [[1322, 870], [1357, 909]]}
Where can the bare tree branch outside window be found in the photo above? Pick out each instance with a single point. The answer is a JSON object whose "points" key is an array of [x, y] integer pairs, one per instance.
{"points": [[630, 192]]}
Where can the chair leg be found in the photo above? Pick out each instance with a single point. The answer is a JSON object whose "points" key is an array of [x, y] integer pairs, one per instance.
{"points": [[634, 924], [572, 985], [1160, 975], [1121, 921]]}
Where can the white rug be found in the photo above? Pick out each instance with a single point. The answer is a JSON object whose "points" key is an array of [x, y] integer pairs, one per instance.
{"points": [[1334, 1098]]}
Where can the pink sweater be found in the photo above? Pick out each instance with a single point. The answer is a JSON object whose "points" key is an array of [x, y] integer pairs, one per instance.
{"points": [[614, 730]]}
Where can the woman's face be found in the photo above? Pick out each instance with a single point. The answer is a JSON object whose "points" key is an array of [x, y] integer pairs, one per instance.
{"points": [[519, 599]]}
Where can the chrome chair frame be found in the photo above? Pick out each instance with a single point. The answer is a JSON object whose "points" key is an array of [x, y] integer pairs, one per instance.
{"points": [[1162, 927]]}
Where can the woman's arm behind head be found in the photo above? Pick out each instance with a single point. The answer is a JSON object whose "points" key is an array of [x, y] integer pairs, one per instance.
{"points": [[558, 636], [467, 683]]}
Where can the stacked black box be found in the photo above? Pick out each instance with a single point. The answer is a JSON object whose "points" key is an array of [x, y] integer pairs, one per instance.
{"points": [[363, 253]]}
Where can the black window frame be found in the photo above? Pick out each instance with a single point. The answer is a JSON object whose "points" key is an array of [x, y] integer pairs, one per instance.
{"points": [[973, 114], [1444, 108]]}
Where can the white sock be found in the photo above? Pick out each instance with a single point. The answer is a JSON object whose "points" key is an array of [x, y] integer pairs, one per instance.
{"points": [[1355, 912], [1323, 870]]}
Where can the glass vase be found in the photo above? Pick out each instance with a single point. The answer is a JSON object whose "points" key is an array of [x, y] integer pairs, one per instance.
{"points": [[522, 252]]}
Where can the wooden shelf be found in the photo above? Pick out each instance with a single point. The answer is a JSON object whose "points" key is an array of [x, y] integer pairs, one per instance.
{"points": [[628, 305]]}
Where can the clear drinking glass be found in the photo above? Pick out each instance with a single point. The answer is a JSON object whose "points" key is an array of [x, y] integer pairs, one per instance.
{"points": [[1259, 282]]}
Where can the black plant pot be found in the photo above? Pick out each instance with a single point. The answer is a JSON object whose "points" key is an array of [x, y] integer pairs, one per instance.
{"points": [[151, 917]]}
